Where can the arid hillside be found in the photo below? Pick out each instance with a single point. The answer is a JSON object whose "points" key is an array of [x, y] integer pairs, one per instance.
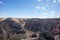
{"points": [[11, 28], [33, 24]]}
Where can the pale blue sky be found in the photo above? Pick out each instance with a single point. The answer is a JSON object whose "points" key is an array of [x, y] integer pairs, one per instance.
{"points": [[30, 8]]}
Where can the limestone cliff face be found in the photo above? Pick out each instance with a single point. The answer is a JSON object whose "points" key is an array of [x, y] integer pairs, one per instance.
{"points": [[10, 26], [2, 19], [18, 20], [3, 33]]}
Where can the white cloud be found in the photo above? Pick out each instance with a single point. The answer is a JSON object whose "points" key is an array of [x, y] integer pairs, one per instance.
{"points": [[47, 0], [0, 2], [54, 1], [45, 13], [58, 0], [52, 12], [49, 15], [43, 8], [38, 0], [46, 5], [37, 7]]}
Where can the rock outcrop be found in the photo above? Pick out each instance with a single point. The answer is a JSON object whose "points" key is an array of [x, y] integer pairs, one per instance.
{"points": [[3, 33]]}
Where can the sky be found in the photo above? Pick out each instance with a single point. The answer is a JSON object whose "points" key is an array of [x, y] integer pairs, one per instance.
{"points": [[30, 8]]}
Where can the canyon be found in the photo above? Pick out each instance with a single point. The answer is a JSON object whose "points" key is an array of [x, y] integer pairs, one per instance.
{"points": [[20, 28]]}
